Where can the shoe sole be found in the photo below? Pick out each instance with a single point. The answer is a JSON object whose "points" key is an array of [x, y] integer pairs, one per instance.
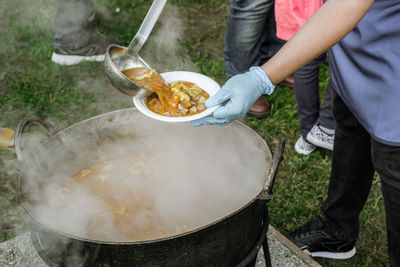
{"points": [[302, 152], [72, 60], [334, 255], [258, 115], [318, 143], [290, 86]]}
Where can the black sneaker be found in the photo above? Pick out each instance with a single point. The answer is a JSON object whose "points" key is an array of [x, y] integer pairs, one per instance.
{"points": [[313, 238], [93, 51]]}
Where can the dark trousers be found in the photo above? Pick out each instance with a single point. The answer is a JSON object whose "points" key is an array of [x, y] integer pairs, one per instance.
{"points": [[71, 22], [309, 108], [355, 158]]}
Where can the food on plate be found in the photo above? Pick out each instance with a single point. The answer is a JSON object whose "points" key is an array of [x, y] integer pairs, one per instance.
{"points": [[187, 99], [177, 99]]}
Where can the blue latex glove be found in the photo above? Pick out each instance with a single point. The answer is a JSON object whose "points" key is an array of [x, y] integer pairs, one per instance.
{"points": [[242, 91]]}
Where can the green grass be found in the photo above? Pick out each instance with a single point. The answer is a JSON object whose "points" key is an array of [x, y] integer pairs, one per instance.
{"points": [[31, 84]]}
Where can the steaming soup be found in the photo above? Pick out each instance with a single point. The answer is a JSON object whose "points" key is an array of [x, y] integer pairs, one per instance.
{"points": [[130, 212], [179, 98], [152, 81]]}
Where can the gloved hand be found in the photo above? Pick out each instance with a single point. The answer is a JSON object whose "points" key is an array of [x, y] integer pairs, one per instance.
{"points": [[242, 91]]}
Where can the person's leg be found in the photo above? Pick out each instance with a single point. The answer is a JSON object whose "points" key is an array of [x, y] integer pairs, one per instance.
{"points": [[325, 118], [70, 23], [322, 134], [73, 41], [270, 43], [334, 235], [306, 88], [386, 161], [317, 124], [245, 33], [351, 174]]}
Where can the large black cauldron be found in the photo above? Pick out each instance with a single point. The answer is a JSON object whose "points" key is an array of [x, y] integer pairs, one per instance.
{"points": [[233, 240]]}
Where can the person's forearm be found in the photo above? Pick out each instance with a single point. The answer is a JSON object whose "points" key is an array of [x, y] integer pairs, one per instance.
{"points": [[331, 23]]}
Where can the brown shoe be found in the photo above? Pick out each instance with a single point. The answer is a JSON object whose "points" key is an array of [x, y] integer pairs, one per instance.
{"points": [[260, 109], [288, 82]]}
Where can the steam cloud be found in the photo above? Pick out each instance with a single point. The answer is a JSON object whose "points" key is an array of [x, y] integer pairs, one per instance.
{"points": [[162, 50], [189, 176]]}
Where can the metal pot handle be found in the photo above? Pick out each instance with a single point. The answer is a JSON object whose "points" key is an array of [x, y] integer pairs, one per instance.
{"points": [[20, 130], [276, 160]]}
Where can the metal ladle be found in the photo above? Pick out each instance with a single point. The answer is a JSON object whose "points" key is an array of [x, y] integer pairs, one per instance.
{"points": [[119, 58]]}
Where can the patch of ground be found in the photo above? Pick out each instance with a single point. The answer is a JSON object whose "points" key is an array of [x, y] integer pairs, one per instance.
{"points": [[207, 27]]}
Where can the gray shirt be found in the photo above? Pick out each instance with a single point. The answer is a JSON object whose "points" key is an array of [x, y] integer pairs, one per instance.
{"points": [[365, 70]]}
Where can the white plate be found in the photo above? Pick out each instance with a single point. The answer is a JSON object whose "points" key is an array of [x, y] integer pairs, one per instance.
{"points": [[204, 82]]}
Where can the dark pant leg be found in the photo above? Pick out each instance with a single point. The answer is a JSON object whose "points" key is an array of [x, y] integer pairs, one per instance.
{"points": [[325, 112], [386, 161], [306, 88], [70, 23], [270, 43], [351, 174]]}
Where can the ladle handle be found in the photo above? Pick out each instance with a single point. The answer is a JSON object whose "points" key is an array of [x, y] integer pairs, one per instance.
{"points": [[146, 27], [20, 130]]}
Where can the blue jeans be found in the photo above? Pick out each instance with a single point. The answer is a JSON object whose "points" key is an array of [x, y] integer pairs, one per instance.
{"points": [[309, 108], [250, 38], [356, 156], [70, 23]]}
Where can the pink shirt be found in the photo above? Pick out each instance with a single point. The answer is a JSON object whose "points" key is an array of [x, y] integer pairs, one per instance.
{"points": [[290, 15]]}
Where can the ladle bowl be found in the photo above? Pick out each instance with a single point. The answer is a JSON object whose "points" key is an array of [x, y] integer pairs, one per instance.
{"points": [[115, 61], [119, 58]]}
